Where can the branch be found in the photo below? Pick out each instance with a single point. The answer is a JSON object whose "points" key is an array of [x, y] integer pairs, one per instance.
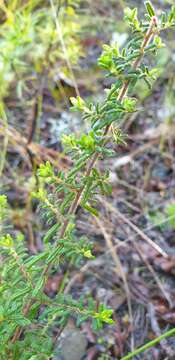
{"points": [[148, 36]]}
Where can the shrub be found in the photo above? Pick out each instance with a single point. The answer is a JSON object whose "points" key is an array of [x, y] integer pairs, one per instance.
{"points": [[25, 329], [30, 46]]}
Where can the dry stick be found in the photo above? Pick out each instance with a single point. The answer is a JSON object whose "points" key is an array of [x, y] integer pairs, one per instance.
{"points": [[123, 160], [137, 230], [139, 250], [118, 268], [152, 271], [142, 234], [41, 153], [155, 327], [76, 202], [133, 237], [98, 261]]}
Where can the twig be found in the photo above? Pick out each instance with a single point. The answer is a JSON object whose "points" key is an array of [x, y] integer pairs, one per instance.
{"points": [[76, 202], [118, 269], [138, 231], [157, 330], [156, 278]]}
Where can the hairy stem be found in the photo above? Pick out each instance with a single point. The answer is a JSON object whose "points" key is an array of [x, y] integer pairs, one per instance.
{"points": [[121, 95], [148, 36]]}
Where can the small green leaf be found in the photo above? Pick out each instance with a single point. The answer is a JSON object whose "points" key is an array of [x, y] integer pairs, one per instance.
{"points": [[3, 201], [171, 214], [130, 14], [51, 232], [105, 61], [105, 315], [158, 42], [21, 321], [149, 8], [129, 104], [6, 241], [78, 103], [39, 285], [34, 259], [171, 16], [53, 255], [88, 254], [90, 209], [20, 293], [163, 18], [41, 194], [69, 141], [46, 170]]}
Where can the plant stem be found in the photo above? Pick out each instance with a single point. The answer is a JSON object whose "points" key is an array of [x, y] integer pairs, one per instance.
{"points": [[121, 95], [76, 202], [149, 344]]}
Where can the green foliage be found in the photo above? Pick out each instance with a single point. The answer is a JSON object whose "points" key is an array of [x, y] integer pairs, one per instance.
{"points": [[59, 194], [3, 207], [29, 42], [150, 8], [131, 17], [166, 219], [170, 210]]}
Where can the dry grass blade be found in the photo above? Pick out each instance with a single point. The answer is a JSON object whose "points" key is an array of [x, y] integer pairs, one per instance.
{"points": [[118, 269], [39, 152], [155, 326], [136, 229], [156, 278], [60, 35]]}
